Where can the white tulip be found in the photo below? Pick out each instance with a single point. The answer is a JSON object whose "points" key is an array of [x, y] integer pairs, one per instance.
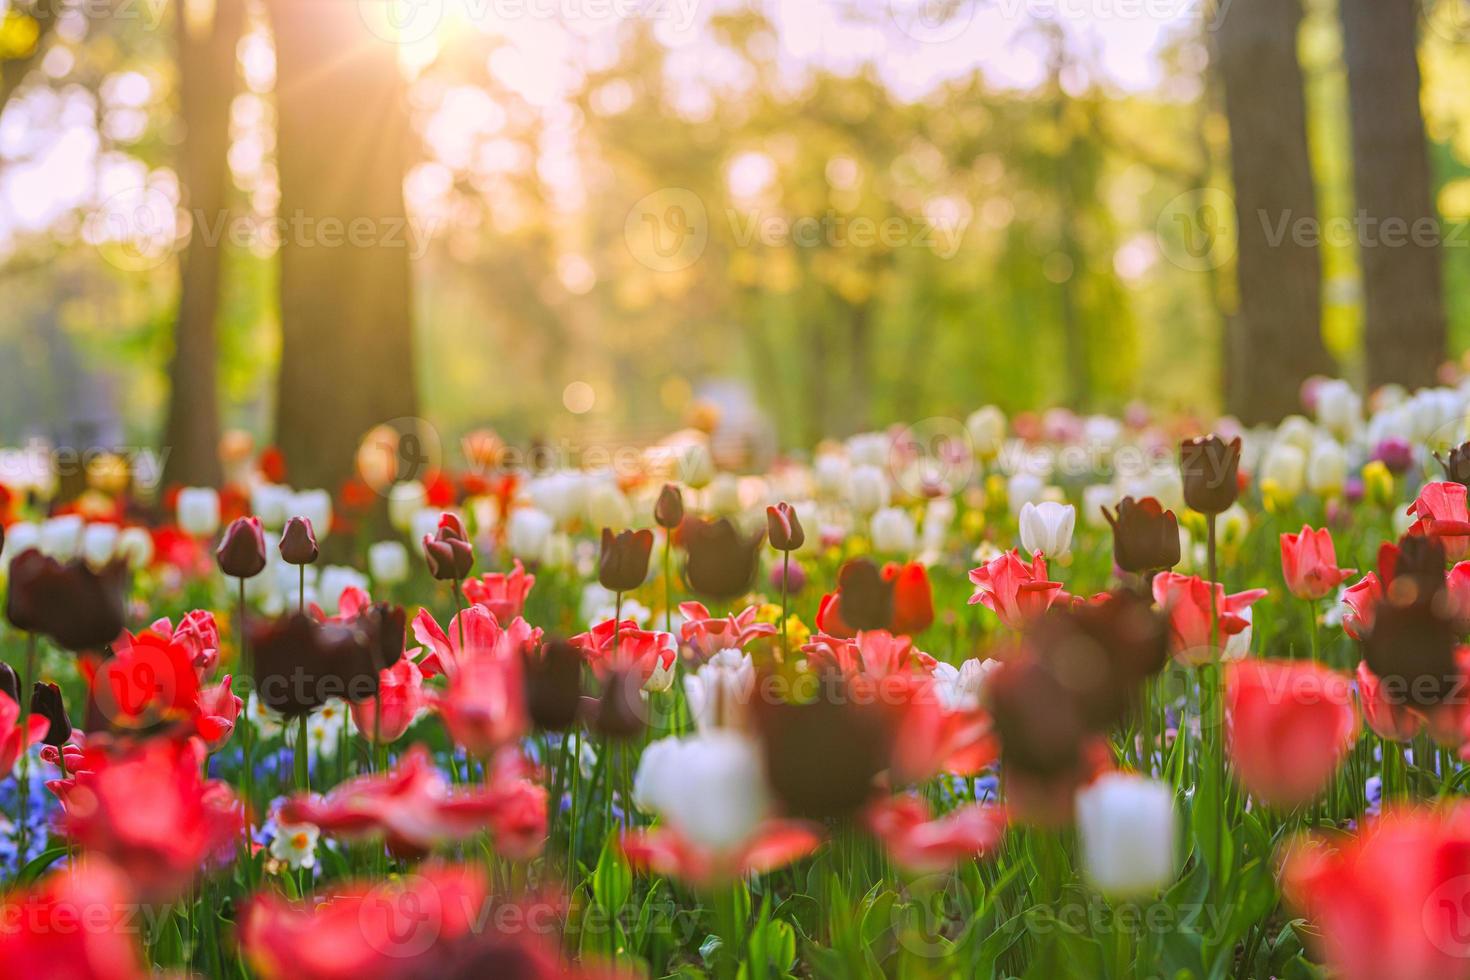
{"points": [[1339, 409], [1298, 432], [695, 466], [1126, 827], [893, 531], [724, 494], [939, 516], [315, 506], [331, 582], [962, 688], [135, 544], [1286, 466], [830, 474], [869, 449], [61, 537], [99, 544], [563, 495], [1238, 645], [1094, 499], [1392, 422], [20, 537], [388, 562], [1046, 528], [719, 692], [197, 511], [1024, 488], [558, 551], [868, 489], [711, 787], [1101, 432], [1327, 469], [405, 501], [607, 506], [987, 428], [527, 531], [269, 501]]}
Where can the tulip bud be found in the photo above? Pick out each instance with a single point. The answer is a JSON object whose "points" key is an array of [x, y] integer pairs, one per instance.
{"points": [[298, 543], [47, 703], [668, 511], [405, 500], [987, 429], [607, 506], [197, 511], [722, 560], [1210, 468], [61, 537], [868, 489], [1285, 467], [1127, 830], [783, 527], [1327, 469], [1145, 536], [866, 596], [241, 552], [450, 557], [623, 563]]}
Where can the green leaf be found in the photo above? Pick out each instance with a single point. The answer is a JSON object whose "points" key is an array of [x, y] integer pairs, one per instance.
{"points": [[612, 881]]}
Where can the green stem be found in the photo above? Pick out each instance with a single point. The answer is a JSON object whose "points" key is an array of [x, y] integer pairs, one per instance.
{"points": [[23, 789]]}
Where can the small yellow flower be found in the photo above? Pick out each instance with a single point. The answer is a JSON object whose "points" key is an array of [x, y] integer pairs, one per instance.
{"points": [[1378, 488]]}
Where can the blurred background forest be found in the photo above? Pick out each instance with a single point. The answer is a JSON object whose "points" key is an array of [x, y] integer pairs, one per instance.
{"points": [[828, 215]]}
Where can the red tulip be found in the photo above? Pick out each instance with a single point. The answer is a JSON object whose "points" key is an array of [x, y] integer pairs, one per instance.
{"points": [[1289, 725], [1013, 590], [913, 600], [504, 594], [77, 924], [664, 851], [414, 808], [930, 737], [927, 846], [153, 815], [1442, 514], [400, 696], [1186, 600], [1388, 903], [1309, 563]]}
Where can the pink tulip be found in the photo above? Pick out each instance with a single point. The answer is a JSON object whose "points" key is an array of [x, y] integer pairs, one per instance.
{"points": [[1309, 563], [664, 851], [1013, 590], [400, 695], [927, 846], [1442, 512], [1186, 601]]}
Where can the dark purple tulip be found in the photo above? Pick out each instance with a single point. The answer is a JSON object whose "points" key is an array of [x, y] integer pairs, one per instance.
{"points": [[298, 543], [241, 552]]}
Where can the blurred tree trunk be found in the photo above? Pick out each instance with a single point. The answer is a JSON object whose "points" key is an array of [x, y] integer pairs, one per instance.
{"points": [[1275, 340], [1399, 234], [207, 74], [346, 308]]}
